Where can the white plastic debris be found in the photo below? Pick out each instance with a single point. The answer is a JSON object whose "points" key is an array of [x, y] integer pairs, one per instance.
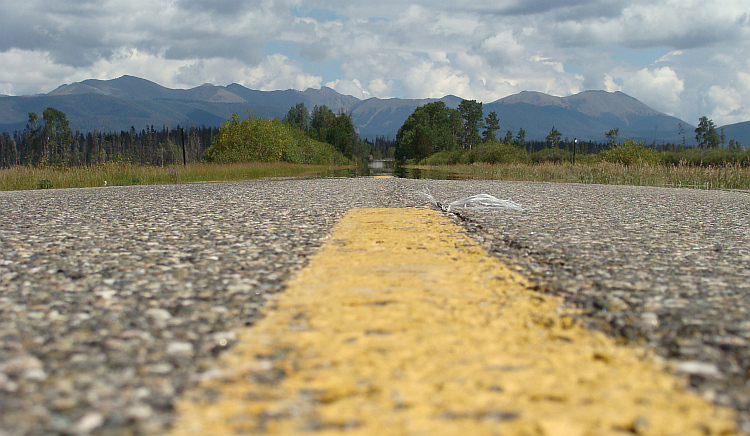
{"points": [[475, 202]]}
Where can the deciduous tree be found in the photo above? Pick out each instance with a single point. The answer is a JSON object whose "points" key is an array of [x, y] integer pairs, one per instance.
{"points": [[430, 128], [706, 134]]}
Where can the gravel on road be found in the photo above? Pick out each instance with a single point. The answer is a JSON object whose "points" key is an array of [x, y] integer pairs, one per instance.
{"points": [[114, 300], [665, 268]]}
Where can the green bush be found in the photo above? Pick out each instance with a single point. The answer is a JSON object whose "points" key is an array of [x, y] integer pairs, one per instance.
{"points": [[714, 157], [494, 152], [551, 155], [632, 153], [443, 158], [261, 140]]}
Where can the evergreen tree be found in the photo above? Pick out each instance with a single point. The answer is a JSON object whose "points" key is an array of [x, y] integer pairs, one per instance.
{"points": [[491, 125], [321, 122], [471, 113], [553, 139], [521, 137], [612, 136], [298, 116]]}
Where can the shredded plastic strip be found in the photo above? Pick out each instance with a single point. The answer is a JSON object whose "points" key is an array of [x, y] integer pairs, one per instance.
{"points": [[475, 202]]}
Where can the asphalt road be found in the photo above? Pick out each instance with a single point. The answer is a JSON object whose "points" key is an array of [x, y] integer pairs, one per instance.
{"points": [[115, 300]]}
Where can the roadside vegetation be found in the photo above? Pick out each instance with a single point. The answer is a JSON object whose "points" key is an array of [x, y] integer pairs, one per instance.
{"points": [[261, 140], [677, 176], [434, 141], [47, 155], [437, 141], [124, 174]]}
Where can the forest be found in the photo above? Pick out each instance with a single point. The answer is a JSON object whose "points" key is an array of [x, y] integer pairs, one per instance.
{"points": [[49, 141], [433, 134]]}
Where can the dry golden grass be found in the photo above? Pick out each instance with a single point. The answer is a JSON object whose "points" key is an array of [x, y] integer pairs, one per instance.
{"points": [[116, 174], [679, 176]]}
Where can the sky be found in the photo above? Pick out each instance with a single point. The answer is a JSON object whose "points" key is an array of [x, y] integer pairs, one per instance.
{"points": [[686, 58]]}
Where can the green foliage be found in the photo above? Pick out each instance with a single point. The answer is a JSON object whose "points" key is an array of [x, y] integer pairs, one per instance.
{"points": [[632, 153], [708, 157], [706, 134], [444, 158], [491, 126], [261, 140], [521, 137], [612, 136], [551, 155], [553, 139], [429, 129], [298, 116], [337, 130], [494, 152], [471, 113], [322, 121], [52, 140], [491, 152], [124, 174]]}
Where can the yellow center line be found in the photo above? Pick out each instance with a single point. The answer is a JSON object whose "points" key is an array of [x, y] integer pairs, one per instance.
{"points": [[402, 325]]}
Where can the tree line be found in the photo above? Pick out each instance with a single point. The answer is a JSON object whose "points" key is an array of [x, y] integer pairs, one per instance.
{"points": [[337, 129], [49, 141], [464, 134], [430, 129]]}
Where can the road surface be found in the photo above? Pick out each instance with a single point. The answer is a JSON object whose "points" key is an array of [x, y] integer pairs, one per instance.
{"points": [[114, 301]]}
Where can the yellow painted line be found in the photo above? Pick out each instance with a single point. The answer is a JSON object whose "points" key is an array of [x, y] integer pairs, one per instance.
{"points": [[401, 325]]}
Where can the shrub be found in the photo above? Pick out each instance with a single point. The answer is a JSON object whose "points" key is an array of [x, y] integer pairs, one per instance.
{"points": [[261, 140], [709, 157], [443, 158], [551, 155], [494, 152], [632, 153]]}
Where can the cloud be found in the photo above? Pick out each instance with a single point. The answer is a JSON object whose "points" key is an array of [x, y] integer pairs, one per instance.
{"points": [[656, 87], [28, 72], [730, 104], [482, 49], [381, 88], [274, 72], [349, 87]]}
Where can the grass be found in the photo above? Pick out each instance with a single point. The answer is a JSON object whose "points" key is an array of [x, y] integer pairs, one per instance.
{"points": [[678, 176], [117, 174], [608, 173]]}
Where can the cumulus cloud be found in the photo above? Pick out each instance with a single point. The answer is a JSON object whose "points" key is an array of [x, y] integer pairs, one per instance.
{"points": [[481, 49], [730, 104], [656, 87], [276, 72], [349, 87]]}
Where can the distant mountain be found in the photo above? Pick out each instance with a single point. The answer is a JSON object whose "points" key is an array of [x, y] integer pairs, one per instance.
{"points": [[118, 104], [383, 117], [126, 87], [587, 116], [740, 132]]}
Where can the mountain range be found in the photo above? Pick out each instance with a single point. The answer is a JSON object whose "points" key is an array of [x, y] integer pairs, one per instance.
{"points": [[118, 104]]}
